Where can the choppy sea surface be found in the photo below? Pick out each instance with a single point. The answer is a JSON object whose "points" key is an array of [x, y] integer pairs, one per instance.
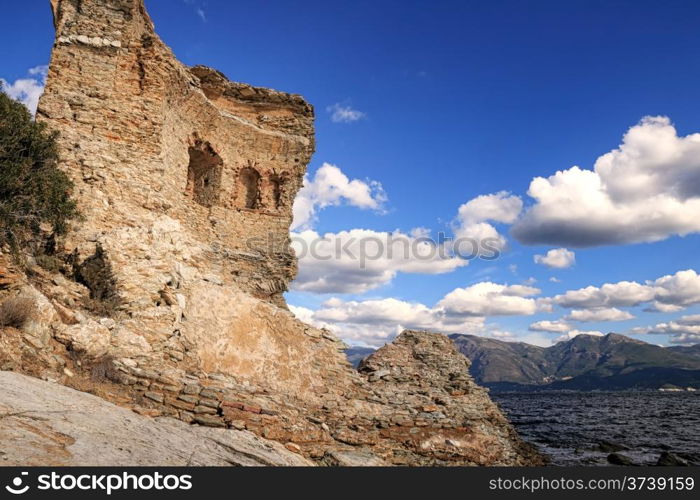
{"points": [[583, 428]]}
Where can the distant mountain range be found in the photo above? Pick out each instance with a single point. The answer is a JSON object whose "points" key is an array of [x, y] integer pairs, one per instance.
{"points": [[357, 354], [586, 362]]}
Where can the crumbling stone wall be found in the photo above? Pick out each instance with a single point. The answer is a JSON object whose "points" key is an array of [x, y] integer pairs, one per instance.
{"points": [[144, 136], [175, 170]]}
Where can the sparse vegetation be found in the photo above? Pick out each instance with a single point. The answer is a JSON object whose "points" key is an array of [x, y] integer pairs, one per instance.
{"points": [[15, 311], [103, 369], [35, 202], [50, 263]]}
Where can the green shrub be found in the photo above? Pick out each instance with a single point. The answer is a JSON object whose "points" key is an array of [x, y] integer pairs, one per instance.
{"points": [[34, 194]]}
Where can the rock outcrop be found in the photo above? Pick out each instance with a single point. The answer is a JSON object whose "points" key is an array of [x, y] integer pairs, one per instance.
{"points": [[167, 297], [437, 407], [48, 424]]}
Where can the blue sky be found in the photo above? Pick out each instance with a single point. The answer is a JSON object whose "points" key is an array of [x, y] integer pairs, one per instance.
{"points": [[444, 102]]}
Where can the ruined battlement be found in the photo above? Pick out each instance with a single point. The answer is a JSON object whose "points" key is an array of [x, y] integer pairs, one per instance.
{"points": [[158, 143], [158, 302]]}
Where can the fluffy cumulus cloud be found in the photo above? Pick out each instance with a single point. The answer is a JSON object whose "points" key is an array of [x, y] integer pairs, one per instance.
{"points": [[375, 322], [645, 190], [685, 330], [307, 316], [490, 299], [27, 90], [557, 258], [344, 114], [575, 333], [623, 293], [498, 207], [331, 187], [677, 291], [558, 326], [666, 294], [599, 314], [474, 219], [464, 310], [359, 260]]}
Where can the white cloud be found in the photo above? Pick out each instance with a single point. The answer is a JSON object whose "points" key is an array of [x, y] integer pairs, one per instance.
{"points": [[359, 260], [198, 9], [27, 90], [554, 279], [598, 314], [550, 326], [307, 316], [623, 293], [668, 293], [41, 71], [575, 333], [381, 311], [497, 207], [685, 330], [464, 310], [690, 320], [501, 335], [375, 322], [535, 339], [331, 187], [645, 190], [557, 258], [344, 114], [490, 299], [681, 289], [474, 216], [665, 308]]}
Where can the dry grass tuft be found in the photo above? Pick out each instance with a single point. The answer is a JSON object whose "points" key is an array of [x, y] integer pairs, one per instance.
{"points": [[15, 311]]}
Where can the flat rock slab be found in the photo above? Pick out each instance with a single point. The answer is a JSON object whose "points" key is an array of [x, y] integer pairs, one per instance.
{"points": [[43, 423]]}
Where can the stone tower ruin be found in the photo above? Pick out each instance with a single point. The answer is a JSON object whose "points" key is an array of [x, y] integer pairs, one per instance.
{"points": [[156, 146], [169, 295]]}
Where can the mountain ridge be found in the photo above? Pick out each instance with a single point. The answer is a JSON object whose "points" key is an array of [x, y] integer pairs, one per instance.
{"points": [[586, 362]]}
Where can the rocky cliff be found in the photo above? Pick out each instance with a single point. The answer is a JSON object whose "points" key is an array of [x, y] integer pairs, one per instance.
{"points": [[167, 297]]}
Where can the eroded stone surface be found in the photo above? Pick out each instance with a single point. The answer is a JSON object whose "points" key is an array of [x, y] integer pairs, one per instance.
{"points": [[177, 169], [160, 304], [42, 423]]}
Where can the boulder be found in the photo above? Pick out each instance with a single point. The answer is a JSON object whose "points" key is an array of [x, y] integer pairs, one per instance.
{"points": [[671, 459], [620, 459]]}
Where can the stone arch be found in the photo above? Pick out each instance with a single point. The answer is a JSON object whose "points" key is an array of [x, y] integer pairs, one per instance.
{"points": [[276, 191], [248, 188], [204, 174]]}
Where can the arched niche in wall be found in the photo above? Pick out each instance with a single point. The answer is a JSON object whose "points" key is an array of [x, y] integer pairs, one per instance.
{"points": [[276, 196], [248, 188], [204, 174]]}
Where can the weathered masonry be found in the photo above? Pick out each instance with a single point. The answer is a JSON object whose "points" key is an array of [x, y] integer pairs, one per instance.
{"points": [[161, 304], [223, 159]]}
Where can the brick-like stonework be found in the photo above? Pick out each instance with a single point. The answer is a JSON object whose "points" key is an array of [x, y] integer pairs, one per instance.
{"points": [[157, 148], [163, 307]]}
